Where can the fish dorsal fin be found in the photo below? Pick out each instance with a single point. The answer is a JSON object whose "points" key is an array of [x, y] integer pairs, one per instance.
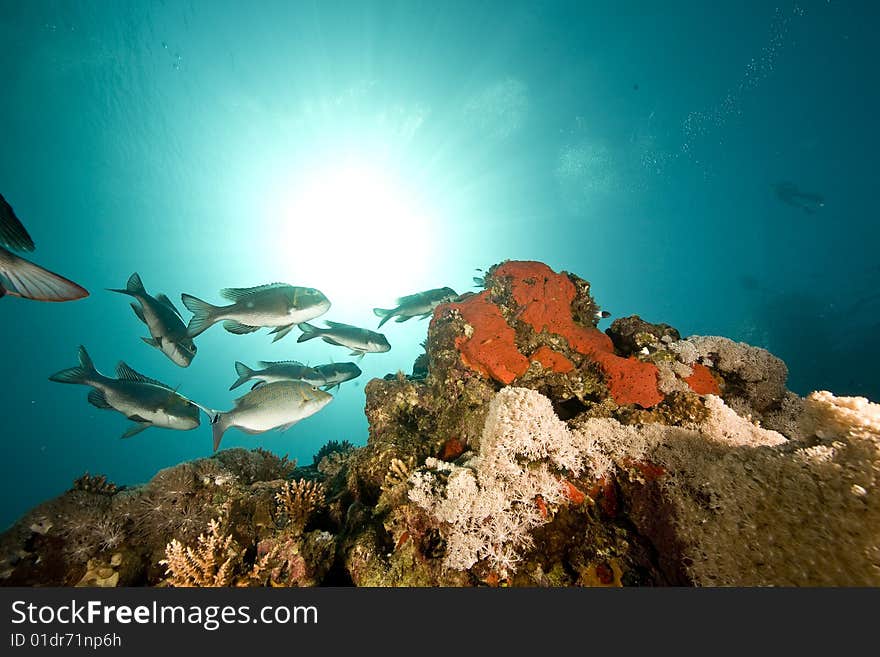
{"points": [[269, 363], [236, 293], [161, 298], [432, 295], [126, 373], [338, 324]]}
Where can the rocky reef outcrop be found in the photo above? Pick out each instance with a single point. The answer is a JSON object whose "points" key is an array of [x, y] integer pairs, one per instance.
{"points": [[527, 448]]}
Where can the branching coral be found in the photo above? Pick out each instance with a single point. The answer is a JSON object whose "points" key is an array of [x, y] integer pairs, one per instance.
{"points": [[398, 473], [297, 501], [212, 562]]}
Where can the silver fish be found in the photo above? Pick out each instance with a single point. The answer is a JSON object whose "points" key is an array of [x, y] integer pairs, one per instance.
{"points": [[287, 370], [337, 373], [145, 401], [22, 278], [276, 405], [166, 326], [421, 304], [276, 305], [359, 340]]}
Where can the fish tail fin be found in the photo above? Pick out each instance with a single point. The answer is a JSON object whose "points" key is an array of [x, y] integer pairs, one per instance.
{"points": [[135, 284], [384, 313], [22, 278], [84, 373], [244, 373], [134, 287], [219, 425], [204, 314], [308, 332]]}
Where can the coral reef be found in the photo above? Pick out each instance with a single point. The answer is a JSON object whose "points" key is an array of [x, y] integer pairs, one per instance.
{"points": [[527, 448], [208, 522], [297, 501], [95, 484], [212, 562], [489, 505], [330, 458]]}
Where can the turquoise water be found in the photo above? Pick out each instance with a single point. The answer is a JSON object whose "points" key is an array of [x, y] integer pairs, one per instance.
{"points": [[373, 150]]}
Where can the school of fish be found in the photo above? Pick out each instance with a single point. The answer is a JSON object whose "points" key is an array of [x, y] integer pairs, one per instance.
{"points": [[283, 392]]}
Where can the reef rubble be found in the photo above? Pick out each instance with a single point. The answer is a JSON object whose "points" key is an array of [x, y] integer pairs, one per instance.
{"points": [[528, 448]]}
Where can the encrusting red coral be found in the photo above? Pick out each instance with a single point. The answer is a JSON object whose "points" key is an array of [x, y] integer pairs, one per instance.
{"points": [[605, 493], [452, 449], [544, 301], [552, 360], [650, 471], [573, 493], [491, 350], [545, 298], [702, 382]]}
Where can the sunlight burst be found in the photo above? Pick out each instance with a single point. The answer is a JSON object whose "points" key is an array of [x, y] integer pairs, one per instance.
{"points": [[355, 232]]}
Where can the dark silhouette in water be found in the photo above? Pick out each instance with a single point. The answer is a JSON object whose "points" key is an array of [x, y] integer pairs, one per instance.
{"points": [[826, 345], [22, 278], [789, 193]]}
